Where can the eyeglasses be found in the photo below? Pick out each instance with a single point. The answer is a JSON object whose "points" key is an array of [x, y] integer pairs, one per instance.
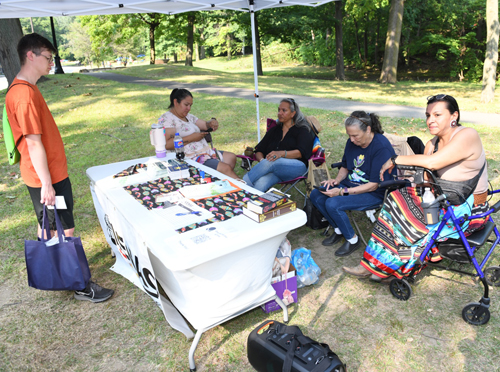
{"points": [[49, 59], [436, 97]]}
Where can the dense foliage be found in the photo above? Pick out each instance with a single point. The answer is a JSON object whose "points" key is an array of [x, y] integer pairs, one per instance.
{"points": [[438, 35]]}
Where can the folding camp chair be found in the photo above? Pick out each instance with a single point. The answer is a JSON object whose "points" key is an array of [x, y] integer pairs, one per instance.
{"points": [[286, 186]]}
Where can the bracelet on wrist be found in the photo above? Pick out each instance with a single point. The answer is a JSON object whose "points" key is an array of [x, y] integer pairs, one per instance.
{"points": [[285, 153], [393, 159]]}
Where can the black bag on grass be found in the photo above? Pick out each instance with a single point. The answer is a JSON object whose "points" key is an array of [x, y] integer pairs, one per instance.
{"points": [[315, 219], [276, 347]]}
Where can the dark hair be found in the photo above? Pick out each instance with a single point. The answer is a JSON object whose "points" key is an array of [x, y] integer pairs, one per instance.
{"points": [[179, 94], [299, 119], [364, 120], [451, 104], [34, 43]]}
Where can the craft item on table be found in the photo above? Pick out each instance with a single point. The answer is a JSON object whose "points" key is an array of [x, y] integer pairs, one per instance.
{"points": [[133, 169], [208, 190], [223, 208], [288, 207], [270, 200], [156, 168], [146, 192], [178, 169]]}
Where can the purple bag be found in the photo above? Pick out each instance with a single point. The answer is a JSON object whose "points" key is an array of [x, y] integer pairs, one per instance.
{"points": [[62, 266]]}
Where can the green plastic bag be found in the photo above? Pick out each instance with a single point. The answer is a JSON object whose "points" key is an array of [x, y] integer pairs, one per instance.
{"points": [[10, 143]]}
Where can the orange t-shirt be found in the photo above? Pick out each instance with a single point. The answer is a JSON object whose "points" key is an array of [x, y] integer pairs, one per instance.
{"points": [[28, 114]]}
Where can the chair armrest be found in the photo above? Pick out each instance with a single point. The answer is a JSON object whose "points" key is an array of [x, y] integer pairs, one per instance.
{"points": [[336, 165], [394, 184], [250, 158]]}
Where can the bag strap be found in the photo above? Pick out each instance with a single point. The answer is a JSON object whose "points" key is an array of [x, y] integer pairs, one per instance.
{"points": [[46, 225], [5, 113]]}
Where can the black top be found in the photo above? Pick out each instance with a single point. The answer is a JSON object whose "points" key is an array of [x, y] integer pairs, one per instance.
{"points": [[297, 138]]}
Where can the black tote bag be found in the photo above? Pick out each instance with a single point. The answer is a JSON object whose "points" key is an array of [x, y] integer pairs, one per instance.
{"points": [[62, 266]]}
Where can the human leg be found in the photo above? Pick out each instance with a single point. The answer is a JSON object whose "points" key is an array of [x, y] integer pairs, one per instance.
{"points": [[62, 188], [283, 169], [222, 167]]}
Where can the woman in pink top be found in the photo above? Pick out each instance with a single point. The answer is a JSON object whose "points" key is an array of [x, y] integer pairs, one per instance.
{"points": [[455, 154], [193, 131]]}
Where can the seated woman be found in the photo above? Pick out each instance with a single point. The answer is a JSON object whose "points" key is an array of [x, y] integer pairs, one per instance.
{"points": [[284, 151], [193, 130], [356, 184], [457, 154]]}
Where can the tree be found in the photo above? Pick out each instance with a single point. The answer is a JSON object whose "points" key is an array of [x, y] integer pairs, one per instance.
{"points": [[390, 65], [10, 34], [191, 18], [339, 46], [491, 59]]}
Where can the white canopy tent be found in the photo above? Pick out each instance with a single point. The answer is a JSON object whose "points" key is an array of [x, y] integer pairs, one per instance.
{"points": [[55, 8]]}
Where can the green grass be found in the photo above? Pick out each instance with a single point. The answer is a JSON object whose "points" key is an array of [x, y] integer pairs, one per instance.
{"points": [[315, 82], [361, 321]]}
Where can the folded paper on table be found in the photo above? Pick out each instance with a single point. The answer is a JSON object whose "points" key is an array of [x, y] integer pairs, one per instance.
{"points": [[208, 190]]}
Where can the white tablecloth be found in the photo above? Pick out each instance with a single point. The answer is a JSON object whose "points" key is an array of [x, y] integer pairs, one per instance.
{"points": [[210, 274]]}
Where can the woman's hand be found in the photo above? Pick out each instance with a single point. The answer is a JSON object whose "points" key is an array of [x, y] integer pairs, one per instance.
{"points": [[214, 124], [335, 191], [275, 155], [195, 137], [330, 183], [388, 165]]}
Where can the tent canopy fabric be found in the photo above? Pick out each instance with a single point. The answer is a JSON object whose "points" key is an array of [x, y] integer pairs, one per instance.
{"points": [[55, 8]]}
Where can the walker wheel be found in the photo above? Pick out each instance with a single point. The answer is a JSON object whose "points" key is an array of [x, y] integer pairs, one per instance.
{"points": [[492, 276], [476, 314], [400, 289]]}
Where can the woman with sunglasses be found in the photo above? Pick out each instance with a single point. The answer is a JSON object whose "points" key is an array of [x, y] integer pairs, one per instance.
{"points": [[284, 151], [454, 154]]}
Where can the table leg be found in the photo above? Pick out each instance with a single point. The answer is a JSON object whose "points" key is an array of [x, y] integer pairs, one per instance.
{"points": [[192, 365], [282, 305]]}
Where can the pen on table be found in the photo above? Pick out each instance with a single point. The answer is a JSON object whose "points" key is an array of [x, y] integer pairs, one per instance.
{"points": [[192, 212]]}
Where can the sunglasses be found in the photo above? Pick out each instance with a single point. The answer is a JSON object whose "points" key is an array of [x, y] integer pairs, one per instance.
{"points": [[436, 97]]}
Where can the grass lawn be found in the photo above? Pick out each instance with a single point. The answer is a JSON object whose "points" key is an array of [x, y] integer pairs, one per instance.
{"points": [[315, 82], [103, 122]]}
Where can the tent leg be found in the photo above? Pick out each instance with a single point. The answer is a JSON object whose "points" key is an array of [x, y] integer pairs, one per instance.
{"points": [[192, 349], [255, 78], [282, 305]]}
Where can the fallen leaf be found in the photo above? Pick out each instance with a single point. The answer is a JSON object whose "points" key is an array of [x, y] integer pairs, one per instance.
{"points": [[87, 94], [68, 86], [10, 197]]}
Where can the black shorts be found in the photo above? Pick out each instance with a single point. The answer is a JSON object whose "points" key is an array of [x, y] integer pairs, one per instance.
{"points": [[65, 215]]}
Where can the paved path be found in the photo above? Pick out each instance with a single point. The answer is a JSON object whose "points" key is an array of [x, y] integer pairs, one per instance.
{"points": [[310, 102]]}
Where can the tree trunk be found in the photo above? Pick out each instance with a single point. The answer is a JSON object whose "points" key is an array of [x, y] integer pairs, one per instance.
{"points": [[152, 50], [491, 58], [328, 37], [228, 44], [377, 38], [365, 50], [175, 57], [190, 39], [356, 29], [390, 66], [339, 43], [10, 34], [257, 47]]}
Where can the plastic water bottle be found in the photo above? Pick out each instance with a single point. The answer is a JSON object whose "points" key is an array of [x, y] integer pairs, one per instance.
{"points": [[431, 213], [428, 197], [179, 147]]}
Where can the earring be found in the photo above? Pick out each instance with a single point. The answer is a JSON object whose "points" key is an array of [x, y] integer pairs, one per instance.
{"points": [[453, 123]]}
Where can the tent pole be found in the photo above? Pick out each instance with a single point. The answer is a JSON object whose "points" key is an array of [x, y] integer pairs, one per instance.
{"points": [[255, 78]]}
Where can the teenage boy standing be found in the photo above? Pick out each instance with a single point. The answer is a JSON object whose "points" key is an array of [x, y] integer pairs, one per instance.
{"points": [[43, 161]]}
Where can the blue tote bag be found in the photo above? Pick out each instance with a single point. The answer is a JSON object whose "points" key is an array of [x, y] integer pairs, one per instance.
{"points": [[59, 267]]}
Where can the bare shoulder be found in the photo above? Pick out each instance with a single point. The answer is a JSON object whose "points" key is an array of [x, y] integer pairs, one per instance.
{"points": [[467, 134]]}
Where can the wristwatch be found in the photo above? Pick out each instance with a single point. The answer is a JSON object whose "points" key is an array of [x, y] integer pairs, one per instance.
{"points": [[393, 159], [345, 191]]}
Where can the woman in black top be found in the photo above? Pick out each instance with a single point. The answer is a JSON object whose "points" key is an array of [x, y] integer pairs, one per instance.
{"points": [[284, 151]]}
